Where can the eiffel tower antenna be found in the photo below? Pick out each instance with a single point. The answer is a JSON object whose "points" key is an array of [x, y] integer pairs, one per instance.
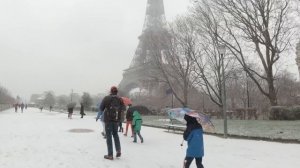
{"points": [[155, 16]]}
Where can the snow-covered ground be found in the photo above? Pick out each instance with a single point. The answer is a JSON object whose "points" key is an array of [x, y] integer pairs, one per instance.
{"points": [[35, 139]]}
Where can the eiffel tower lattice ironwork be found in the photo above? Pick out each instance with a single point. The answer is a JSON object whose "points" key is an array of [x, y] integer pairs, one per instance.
{"points": [[137, 75]]}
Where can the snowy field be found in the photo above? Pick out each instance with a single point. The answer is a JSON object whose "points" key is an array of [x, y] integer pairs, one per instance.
{"points": [[284, 130], [35, 139]]}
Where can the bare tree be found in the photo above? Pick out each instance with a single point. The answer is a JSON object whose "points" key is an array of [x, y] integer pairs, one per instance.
{"points": [[5, 97], [242, 91], [254, 30], [207, 61], [49, 99], [288, 88], [174, 60], [62, 100], [86, 100]]}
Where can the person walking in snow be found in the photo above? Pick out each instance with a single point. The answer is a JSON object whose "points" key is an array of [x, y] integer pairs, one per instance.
{"points": [[82, 110], [194, 137], [129, 120], [70, 112], [16, 107], [22, 107], [137, 124], [112, 105], [41, 108]]}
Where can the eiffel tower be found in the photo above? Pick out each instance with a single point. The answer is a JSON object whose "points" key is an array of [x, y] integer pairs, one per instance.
{"points": [[137, 75]]}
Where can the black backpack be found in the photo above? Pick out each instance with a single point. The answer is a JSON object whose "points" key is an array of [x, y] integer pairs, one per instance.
{"points": [[114, 109]]}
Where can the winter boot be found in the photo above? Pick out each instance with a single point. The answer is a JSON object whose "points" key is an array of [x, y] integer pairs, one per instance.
{"points": [[109, 157], [118, 154]]}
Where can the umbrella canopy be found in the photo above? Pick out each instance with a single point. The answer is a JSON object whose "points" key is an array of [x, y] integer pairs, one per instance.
{"points": [[126, 101], [178, 114], [143, 110]]}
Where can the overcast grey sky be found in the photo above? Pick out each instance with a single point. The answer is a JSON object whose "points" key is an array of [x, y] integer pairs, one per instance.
{"points": [[61, 45]]}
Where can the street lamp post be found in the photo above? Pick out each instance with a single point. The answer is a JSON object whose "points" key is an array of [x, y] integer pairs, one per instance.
{"points": [[71, 94], [222, 49]]}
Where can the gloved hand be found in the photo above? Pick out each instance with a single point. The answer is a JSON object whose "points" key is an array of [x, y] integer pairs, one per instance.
{"points": [[96, 119]]}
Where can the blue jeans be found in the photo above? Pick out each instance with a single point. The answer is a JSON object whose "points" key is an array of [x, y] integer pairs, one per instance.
{"points": [[111, 129]]}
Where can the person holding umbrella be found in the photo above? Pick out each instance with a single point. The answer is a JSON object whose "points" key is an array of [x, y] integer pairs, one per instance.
{"points": [[194, 137]]}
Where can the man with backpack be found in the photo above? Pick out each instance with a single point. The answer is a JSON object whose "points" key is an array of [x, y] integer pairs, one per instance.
{"points": [[113, 106]]}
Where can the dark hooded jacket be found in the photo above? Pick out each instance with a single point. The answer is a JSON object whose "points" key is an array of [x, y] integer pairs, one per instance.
{"points": [[129, 114]]}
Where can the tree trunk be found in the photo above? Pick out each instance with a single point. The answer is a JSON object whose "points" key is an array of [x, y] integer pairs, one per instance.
{"points": [[272, 94], [272, 91]]}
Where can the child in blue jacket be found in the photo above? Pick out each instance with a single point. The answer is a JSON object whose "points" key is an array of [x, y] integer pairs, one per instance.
{"points": [[194, 137]]}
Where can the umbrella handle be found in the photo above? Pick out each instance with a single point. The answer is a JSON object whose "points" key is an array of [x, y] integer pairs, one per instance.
{"points": [[182, 142]]}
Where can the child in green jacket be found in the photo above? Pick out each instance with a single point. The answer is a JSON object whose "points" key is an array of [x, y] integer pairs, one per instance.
{"points": [[137, 124]]}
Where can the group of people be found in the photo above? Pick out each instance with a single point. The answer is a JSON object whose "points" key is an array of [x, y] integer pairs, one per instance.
{"points": [[134, 121], [111, 114], [21, 106], [111, 111], [71, 109]]}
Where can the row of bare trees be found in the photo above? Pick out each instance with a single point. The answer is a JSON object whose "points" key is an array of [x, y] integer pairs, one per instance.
{"points": [[48, 99], [256, 34], [5, 96]]}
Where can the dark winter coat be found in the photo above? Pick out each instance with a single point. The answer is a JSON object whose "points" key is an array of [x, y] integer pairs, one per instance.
{"points": [[105, 104], [137, 121], [81, 109], [122, 116], [129, 114], [70, 109], [194, 137]]}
